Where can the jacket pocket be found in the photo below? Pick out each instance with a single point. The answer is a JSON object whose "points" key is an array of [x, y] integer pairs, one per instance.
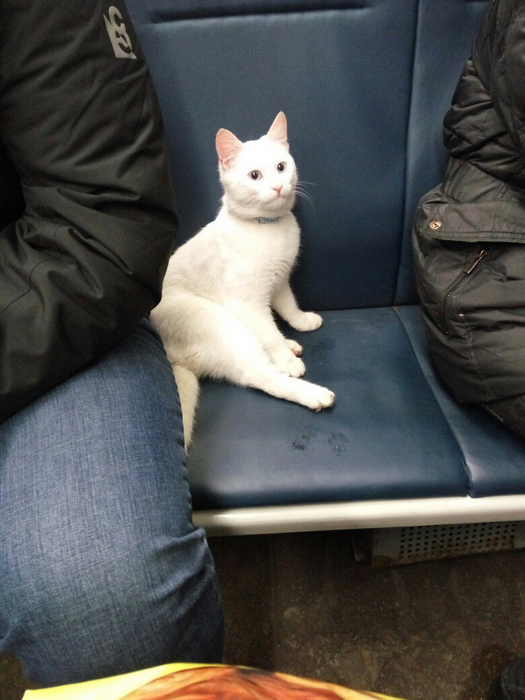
{"points": [[443, 269], [455, 287], [494, 220]]}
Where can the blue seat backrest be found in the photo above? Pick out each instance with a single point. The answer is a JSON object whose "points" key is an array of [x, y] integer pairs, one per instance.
{"points": [[364, 84]]}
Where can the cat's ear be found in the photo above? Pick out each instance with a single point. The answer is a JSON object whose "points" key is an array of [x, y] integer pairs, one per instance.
{"points": [[279, 130], [228, 146]]}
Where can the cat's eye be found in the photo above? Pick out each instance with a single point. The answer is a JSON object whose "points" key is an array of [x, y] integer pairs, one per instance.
{"points": [[255, 175], [281, 167]]}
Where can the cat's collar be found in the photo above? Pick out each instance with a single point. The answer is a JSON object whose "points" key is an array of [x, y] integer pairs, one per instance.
{"points": [[268, 219]]}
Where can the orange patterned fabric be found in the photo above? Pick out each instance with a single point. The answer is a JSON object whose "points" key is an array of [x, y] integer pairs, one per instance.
{"points": [[231, 683]]}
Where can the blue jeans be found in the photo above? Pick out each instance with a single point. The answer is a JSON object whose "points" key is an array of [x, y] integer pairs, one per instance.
{"points": [[101, 569]]}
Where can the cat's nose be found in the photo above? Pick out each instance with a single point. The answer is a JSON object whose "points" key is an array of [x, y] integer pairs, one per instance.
{"points": [[278, 189]]}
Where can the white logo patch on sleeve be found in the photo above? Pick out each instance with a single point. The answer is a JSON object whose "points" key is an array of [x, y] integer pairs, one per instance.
{"points": [[118, 34]]}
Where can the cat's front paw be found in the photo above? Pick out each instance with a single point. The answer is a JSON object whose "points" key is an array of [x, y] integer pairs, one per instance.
{"points": [[320, 398], [294, 347], [325, 399], [290, 365], [307, 321]]}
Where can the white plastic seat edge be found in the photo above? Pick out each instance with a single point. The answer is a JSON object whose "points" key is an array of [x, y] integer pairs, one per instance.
{"points": [[358, 515]]}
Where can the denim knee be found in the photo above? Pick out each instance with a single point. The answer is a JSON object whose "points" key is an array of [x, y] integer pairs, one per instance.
{"points": [[101, 569], [112, 606]]}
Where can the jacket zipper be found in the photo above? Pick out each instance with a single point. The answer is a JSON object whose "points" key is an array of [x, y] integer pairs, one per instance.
{"points": [[457, 283]]}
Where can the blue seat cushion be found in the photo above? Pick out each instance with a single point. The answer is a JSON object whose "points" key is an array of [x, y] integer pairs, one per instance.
{"points": [[494, 456], [395, 432]]}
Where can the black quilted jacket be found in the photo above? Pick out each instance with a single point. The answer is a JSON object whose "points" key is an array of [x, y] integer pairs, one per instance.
{"points": [[469, 232]]}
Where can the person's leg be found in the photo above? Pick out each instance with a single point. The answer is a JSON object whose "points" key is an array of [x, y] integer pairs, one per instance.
{"points": [[101, 569], [511, 412]]}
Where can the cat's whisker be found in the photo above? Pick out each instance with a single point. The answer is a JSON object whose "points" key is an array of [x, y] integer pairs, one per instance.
{"points": [[256, 204], [300, 189], [301, 185], [301, 192], [259, 205]]}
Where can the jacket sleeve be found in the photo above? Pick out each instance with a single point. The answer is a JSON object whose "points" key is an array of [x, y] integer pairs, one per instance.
{"points": [[486, 122], [81, 124], [508, 72]]}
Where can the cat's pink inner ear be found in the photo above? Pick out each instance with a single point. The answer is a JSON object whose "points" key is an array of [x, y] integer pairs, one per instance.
{"points": [[279, 130], [228, 146]]}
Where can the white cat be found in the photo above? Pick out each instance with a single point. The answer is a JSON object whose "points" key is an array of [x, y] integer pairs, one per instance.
{"points": [[215, 316]]}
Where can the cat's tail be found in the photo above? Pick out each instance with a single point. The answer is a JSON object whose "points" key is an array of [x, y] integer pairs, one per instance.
{"points": [[188, 386]]}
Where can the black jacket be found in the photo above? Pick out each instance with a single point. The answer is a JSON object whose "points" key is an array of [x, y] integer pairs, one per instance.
{"points": [[86, 213], [469, 233]]}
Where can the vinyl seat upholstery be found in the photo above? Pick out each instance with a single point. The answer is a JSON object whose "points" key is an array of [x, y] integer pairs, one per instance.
{"points": [[365, 85]]}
